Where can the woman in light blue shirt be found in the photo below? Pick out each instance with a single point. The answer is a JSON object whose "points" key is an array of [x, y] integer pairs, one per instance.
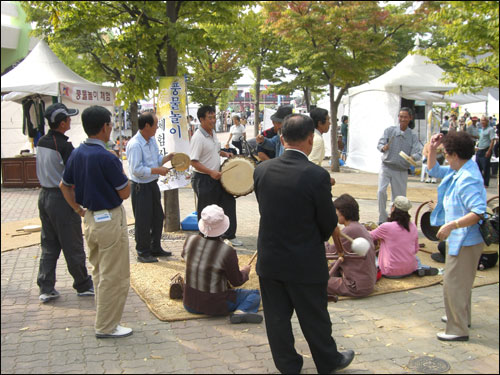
{"points": [[461, 201]]}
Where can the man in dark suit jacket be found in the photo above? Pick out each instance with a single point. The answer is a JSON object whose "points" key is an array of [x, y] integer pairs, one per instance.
{"points": [[296, 216]]}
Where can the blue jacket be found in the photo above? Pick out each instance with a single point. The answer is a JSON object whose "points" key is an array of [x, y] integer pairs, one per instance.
{"points": [[459, 193]]}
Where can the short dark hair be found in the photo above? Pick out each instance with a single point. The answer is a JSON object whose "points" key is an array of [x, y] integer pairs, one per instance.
{"points": [[318, 115], [460, 143], [348, 207], [446, 117], [401, 217], [297, 127], [146, 118], [202, 111], [407, 110], [55, 125], [344, 117], [94, 118]]}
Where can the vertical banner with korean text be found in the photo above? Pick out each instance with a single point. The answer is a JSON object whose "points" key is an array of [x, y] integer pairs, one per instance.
{"points": [[172, 133]]}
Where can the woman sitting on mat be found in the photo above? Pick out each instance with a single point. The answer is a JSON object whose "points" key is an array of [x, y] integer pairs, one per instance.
{"points": [[399, 244], [210, 264], [356, 275]]}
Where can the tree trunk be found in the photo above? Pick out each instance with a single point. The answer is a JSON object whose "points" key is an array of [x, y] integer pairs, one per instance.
{"points": [[171, 197], [307, 98], [134, 117], [257, 102], [335, 167]]}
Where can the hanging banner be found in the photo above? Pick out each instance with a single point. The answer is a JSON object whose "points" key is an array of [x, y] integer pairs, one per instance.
{"points": [[172, 134], [90, 95]]}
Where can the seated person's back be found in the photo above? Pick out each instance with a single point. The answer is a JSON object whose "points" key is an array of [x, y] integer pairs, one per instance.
{"points": [[398, 241], [356, 275], [210, 264]]}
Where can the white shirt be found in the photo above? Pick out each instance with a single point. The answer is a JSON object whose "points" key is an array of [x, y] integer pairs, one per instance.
{"points": [[205, 149], [318, 150], [237, 131]]}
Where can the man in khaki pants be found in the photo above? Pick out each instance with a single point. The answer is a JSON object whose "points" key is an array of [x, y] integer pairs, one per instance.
{"points": [[95, 185]]}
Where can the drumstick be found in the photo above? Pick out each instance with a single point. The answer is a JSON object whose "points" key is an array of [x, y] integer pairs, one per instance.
{"points": [[252, 258]]}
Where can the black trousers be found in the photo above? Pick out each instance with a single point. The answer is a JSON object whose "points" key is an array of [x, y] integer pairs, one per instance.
{"points": [[148, 214], [310, 302], [484, 165], [61, 229], [210, 191]]}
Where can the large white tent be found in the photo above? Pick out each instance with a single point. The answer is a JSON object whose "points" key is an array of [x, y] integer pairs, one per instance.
{"points": [[374, 106], [41, 74]]}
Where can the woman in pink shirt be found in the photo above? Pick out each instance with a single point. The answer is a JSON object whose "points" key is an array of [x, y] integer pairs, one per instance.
{"points": [[399, 243]]}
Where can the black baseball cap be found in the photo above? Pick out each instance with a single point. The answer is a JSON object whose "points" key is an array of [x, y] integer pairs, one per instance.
{"points": [[281, 113], [58, 111]]}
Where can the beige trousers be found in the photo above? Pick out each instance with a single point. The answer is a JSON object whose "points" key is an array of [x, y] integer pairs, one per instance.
{"points": [[109, 254], [459, 276]]}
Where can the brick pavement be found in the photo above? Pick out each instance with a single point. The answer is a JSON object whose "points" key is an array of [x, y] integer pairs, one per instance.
{"points": [[386, 331]]}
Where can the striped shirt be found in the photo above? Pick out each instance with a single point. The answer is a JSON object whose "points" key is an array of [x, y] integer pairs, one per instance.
{"points": [[210, 264], [459, 193]]}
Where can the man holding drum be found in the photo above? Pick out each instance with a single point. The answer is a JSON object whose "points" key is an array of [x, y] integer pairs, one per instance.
{"points": [[205, 158], [394, 168]]}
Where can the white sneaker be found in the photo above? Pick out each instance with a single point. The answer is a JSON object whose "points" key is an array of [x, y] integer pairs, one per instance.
{"points": [[46, 297], [444, 319], [236, 242], [117, 333]]}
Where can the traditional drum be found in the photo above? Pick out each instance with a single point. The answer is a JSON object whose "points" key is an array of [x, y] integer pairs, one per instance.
{"points": [[237, 175], [409, 159], [180, 162]]}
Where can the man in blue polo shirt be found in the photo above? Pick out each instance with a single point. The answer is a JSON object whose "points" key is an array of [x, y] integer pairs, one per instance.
{"points": [[95, 185]]}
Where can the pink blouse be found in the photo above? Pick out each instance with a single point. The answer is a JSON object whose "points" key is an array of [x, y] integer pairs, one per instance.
{"points": [[398, 248]]}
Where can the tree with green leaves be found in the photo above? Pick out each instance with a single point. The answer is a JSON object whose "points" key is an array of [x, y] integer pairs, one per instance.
{"points": [[469, 54], [132, 43], [261, 51], [343, 42]]}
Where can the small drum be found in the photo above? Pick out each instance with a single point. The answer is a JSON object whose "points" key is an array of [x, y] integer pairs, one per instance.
{"points": [[237, 175]]}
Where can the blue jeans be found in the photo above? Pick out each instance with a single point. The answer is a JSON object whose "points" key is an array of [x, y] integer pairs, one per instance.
{"points": [[247, 300]]}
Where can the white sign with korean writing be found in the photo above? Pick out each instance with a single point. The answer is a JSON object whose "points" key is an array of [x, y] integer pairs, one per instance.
{"points": [[172, 134]]}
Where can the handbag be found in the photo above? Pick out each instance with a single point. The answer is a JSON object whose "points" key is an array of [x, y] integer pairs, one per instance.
{"points": [[176, 287], [486, 229]]}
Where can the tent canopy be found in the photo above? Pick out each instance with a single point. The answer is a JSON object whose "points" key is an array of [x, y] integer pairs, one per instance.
{"points": [[374, 106], [40, 72], [414, 74]]}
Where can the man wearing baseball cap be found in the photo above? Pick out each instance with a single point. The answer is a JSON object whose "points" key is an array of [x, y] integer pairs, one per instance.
{"points": [[61, 226], [274, 143]]}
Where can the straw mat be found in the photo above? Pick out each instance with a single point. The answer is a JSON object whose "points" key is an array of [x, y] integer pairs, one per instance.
{"points": [[151, 281]]}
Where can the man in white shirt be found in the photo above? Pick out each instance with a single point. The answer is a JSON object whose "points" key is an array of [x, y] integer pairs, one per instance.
{"points": [[321, 121], [205, 158]]}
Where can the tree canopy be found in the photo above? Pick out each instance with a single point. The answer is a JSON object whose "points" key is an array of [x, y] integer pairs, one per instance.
{"points": [[469, 54]]}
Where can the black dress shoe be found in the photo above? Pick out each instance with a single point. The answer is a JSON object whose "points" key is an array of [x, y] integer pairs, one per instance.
{"points": [[346, 360], [161, 253], [147, 259]]}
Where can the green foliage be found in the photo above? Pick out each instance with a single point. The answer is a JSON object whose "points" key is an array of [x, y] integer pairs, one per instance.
{"points": [[130, 43], [469, 53], [336, 43]]}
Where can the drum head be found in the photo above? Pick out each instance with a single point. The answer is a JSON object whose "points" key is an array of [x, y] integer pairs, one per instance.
{"points": [[180, 162], [407, 158], [428, 230], [237, 175]]}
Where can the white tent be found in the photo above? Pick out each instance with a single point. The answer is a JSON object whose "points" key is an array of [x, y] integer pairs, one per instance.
{"points": [[42, 73], [374, 106]]}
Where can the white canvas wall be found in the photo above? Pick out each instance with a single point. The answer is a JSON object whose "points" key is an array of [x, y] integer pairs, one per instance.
{"points": [[370, 112], [13, 139]]}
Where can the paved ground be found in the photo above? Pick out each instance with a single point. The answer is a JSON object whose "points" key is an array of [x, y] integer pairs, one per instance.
{"points": [[386, 331]]}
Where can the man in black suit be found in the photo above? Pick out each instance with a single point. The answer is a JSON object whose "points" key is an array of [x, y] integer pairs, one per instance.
{"points": [[296, 216]]}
